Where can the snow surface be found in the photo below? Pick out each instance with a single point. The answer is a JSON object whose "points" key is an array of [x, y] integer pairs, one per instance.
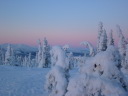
{"points": [[21, 81]]}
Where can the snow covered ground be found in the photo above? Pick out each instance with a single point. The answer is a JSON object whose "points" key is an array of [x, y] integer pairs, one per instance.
{"points": [[20, 81]]}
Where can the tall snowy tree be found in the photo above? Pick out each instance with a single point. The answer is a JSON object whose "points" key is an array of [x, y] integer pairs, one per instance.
{"points": [[126, 58], [103, 41], [110, 38], [57, 78], [45, 60], [39, 51], [100, 31], [121, 45], [46, 53]]}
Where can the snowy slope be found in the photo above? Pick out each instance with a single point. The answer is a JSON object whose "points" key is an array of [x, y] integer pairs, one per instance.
{"points": [[20, 81]]}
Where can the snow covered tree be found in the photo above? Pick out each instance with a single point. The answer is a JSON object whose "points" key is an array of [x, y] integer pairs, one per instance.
{"points": [[36, 60], [39, 51], [57, 78], [9, 56], [1, 57], [100, 31], [89, 45], [29, 60], [99, 76], [58, 55], [121, 45], [19, 60], [70, 60], [25, 61], [45, 55], [126, 58], [110, 38], [42, 61], [66, 47], [36, 57], [33, 63], [103, 41]]}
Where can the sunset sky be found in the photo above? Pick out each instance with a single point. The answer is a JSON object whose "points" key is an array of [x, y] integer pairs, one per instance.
{"points": [[60, 21]]}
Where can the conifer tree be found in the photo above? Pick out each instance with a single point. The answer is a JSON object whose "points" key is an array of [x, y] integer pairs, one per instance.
{"points": [[100, 31], [110, 38], [9, 56], [103, 41], [121, 45]]}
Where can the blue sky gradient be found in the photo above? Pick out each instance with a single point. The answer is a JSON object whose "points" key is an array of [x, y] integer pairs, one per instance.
{"points": [[61, 21]]}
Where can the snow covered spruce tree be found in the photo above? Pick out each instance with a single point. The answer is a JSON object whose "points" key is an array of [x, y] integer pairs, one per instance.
{"points": [[39, 54], [9, 56], [44, 54], [121, 46], [100, 76], [1, 56], [110, 38], [100, 31], [57, 78], [126, 58], [103, 41]]}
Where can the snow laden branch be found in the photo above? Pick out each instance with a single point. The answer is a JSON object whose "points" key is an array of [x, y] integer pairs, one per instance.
{"points": [[89, 45]]}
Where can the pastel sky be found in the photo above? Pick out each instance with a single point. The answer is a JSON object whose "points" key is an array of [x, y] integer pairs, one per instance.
{"points": [[61, 21]]}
